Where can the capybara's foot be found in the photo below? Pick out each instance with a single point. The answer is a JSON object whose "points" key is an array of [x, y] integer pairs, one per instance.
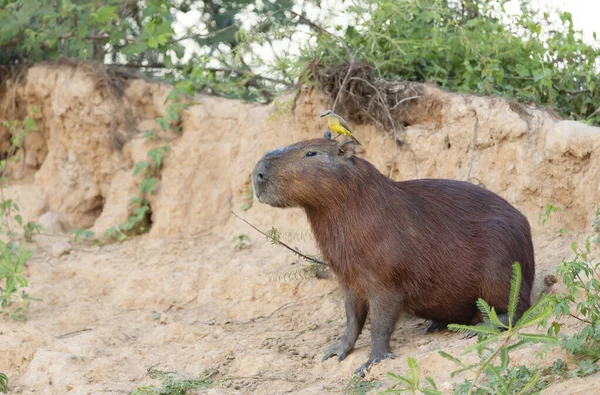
{"points": [[436, 326], [341, 349], [364, 368]]}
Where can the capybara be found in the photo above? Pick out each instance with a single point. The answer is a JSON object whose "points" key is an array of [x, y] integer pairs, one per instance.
{"points": [[427, 247]]}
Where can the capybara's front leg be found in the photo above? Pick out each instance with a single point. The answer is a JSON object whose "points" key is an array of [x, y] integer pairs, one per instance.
{"points": [[356, 314], [384, 314]]}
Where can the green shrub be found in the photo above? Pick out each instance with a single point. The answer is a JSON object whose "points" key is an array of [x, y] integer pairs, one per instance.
{"points": [[172, 384], [475, 47], [581, 275]]}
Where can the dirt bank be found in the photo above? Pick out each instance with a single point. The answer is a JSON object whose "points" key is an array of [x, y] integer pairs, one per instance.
{"points": [[181, 297]]}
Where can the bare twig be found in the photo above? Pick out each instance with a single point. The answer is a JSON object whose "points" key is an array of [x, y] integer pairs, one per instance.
{"points": [[295, 251], [405, 100], [73, 333], [594, 113], [266, 317]]}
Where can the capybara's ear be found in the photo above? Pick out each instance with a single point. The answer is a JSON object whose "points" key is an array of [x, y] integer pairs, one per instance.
{"points": [[347, 148], [327, 134]]}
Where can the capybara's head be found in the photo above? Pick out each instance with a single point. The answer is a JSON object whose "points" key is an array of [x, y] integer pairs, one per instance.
{"points": [[305, 174]]}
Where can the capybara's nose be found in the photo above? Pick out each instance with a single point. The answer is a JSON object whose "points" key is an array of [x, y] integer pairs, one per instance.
{"points": [[260, 174]]}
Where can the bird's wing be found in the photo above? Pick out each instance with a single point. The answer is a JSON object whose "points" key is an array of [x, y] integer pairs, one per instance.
{"points": [[344, 124]]}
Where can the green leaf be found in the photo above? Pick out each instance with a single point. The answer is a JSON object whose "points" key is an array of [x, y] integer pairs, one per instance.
{"points": [[515, 288], [459, 371], [536, 338], [490, 314], [414, 370], [451, 358], [140, 166], [19, 219], [465, 329], [147, 185], [504, 358], [522, 71]]}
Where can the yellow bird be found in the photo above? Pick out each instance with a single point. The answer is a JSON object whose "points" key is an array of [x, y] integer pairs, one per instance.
{"points": [[338, 125]]}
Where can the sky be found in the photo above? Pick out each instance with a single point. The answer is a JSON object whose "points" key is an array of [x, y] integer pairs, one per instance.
{"points": [[585, 14]]}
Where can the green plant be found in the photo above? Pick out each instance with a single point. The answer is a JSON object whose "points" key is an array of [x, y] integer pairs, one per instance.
{"points": [[581, 276], [18, 130], [14, 254], [13, 257], [545, 216], [172, 384], [358, 386], [298, 274], [139, 220], [248, 199], [496, 339], [3, 383], [412, 382], [30, 229], [82, 233], [241, 241]]}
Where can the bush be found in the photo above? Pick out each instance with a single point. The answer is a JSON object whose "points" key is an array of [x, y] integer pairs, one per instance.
{"points": [[473, 46], [581, 276]]}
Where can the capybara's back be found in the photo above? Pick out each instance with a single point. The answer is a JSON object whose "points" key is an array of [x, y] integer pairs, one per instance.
{"points": [[464, 240]]}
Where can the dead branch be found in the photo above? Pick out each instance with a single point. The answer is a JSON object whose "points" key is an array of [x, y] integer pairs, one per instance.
{"points": [[295, 251]]}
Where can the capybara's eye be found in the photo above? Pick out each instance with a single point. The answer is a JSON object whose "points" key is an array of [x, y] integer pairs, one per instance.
{"points": [[310, 153]]}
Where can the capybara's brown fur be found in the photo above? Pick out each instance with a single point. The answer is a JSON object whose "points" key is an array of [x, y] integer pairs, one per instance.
{"points": [[428, 247]]}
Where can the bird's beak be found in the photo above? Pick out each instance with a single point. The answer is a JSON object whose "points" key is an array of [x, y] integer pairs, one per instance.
{"points": [[322, 115]]}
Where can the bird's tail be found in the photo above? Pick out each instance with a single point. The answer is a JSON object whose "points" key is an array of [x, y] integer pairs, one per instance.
{"points": [[355, 139]]}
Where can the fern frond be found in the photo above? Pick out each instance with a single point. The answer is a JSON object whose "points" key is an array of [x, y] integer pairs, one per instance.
{"points": [[538, 312], [451, 358], [299, 274], [535, 338], [469, 367], [466, 329], [489, 313], [515, 288], [414, 370]]}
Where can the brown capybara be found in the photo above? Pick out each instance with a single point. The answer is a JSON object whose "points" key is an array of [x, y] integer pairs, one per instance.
{"points": [[428, 247]]}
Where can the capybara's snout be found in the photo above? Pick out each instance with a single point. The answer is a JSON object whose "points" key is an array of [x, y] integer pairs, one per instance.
{"points": [[260, 178]]}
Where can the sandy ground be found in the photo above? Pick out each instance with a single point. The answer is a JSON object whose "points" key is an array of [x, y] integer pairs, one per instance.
{"points": [[195, 305], [192, 306]]}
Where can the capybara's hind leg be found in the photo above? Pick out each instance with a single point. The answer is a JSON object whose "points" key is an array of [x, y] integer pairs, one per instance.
{"points": [[436, 326], [356, 314], [384, 314]]}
